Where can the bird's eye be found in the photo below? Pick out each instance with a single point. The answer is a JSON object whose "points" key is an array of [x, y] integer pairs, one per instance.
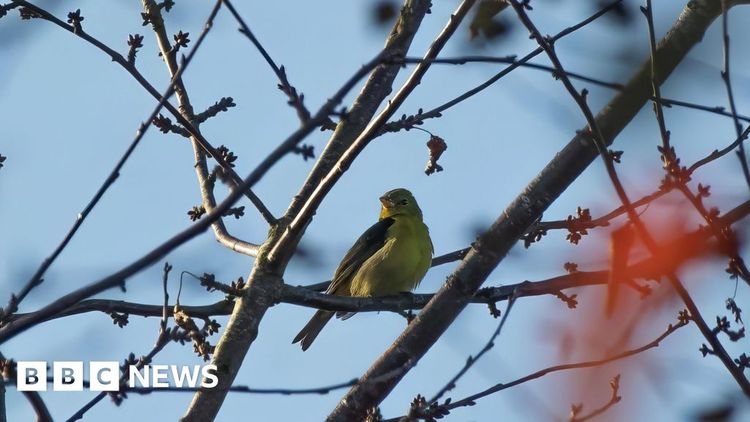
{"points": [[403, 202]]}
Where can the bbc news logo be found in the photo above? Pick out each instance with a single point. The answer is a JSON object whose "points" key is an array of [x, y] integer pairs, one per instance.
{"points": [[105, 376]]}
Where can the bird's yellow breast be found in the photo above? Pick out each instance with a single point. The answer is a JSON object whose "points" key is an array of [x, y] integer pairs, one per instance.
{"points": [[400, 264]]}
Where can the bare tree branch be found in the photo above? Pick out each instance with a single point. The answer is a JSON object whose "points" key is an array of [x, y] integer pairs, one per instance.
{"points": [[716, 154], [471, 360], [296, 100], [326, 389], [205, 184], [726, 77], [613, 399]]}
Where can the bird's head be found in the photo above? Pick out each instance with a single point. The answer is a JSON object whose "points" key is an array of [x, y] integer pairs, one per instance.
{"points": [[399, 202]]}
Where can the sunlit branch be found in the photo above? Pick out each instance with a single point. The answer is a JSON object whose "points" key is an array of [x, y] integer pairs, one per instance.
{"points": [[205, 184]]}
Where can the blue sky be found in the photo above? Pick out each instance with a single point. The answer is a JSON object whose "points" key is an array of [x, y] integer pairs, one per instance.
{"points": [[70, 113]]}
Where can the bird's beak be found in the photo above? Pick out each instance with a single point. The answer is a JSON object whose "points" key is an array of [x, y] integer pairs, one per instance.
{"points": [[387, 203]]}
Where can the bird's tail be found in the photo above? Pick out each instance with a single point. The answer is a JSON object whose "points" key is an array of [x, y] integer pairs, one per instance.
{"points": [[312, 328]]}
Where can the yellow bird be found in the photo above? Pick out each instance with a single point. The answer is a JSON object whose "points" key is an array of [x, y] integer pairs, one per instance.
{"points": [[390, 257]]}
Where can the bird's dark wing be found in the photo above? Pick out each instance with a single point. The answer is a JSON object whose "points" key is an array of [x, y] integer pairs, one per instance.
{"points": [[370, 242]]}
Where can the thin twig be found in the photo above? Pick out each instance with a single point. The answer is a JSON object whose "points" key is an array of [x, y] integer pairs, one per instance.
{"points": [[726, 77], [296, 100], [728, 242], [471, 400], [614, 398], [716, 154], [165, 310], [107, 306], [602, 221], [451, 384], [658, 109]]}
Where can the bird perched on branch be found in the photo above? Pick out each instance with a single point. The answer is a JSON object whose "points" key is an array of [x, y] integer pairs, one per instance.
{"points": [[390, 257]]}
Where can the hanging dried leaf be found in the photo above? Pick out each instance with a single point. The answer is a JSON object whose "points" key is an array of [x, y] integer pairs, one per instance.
{"points": [[437, 146]]}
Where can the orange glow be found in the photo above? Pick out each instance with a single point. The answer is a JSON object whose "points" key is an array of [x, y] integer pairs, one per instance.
{"points": [[633, 310]]}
